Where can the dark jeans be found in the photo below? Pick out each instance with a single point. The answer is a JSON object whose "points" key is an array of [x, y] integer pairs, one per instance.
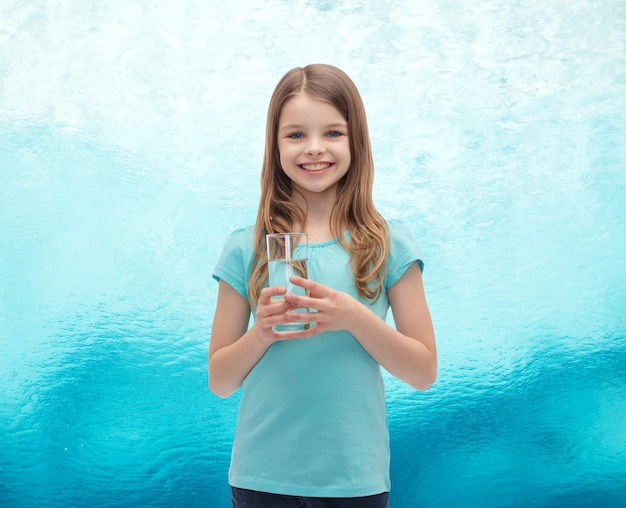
{"points": [[243, 498]]}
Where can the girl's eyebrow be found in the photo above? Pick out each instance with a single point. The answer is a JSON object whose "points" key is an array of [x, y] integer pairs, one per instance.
{"points": [[290, 126], [294, 126]]}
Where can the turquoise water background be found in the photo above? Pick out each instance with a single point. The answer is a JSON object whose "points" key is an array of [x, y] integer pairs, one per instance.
{"points": [[131, 138]]}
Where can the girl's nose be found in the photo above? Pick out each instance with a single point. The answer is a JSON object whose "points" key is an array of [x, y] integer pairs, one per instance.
{"points": [[315, 147]]}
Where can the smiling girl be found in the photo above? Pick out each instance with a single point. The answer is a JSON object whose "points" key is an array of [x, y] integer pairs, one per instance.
{"points": [[312, 427]]}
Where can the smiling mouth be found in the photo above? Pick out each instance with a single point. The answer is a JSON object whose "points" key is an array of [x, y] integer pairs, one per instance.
{"points": [[315, 167]]}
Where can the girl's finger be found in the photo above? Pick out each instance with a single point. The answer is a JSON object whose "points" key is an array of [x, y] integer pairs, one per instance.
{"points": [[303, 317], [297, 301], [265, 298], [314, 287]]}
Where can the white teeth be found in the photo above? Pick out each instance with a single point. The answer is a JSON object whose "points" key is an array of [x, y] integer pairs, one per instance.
{"points": [[315, 167]]}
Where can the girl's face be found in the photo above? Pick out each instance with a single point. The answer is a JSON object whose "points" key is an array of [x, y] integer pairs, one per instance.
{"points": [[313, 144]]}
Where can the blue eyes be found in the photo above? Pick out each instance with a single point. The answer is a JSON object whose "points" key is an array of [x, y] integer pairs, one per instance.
{"points": [[299, 135]]}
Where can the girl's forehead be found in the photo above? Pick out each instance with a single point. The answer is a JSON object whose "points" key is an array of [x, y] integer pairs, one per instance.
{"points": [[306, 97], [305, 104]]}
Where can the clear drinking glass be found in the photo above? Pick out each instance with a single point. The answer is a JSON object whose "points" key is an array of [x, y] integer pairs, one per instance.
{"points": [[287, 255]]}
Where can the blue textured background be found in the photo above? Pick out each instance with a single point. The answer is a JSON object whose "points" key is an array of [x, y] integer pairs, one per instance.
{"points": [[131, 137]]}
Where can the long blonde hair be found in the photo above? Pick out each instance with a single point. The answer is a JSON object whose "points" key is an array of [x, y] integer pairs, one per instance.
{"points": [[354, 210]]}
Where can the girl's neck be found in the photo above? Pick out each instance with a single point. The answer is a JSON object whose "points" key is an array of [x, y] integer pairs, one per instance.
{"points": [[318, 228], [318, 213]]}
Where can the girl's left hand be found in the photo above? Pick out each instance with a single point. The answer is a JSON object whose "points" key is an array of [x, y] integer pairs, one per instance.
{"points": [[333, 310]]}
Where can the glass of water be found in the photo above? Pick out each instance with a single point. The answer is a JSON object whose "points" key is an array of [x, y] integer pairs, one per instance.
{"points": [[287, 255]]}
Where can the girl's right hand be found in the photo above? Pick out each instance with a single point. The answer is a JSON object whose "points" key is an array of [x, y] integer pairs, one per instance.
{"points": [[270, 312]]}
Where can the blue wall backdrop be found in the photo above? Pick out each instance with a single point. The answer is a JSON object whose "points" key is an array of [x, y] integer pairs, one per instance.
{"points": [[131, 137]]}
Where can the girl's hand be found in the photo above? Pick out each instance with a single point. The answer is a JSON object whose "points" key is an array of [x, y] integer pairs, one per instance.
{"points": [[270, 312], [334, 310]]}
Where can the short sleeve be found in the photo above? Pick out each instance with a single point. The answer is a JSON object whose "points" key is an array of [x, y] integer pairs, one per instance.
{"points": [[403, 251], [235, 262]]}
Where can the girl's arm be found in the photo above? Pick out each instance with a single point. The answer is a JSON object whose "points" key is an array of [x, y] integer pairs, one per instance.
{"points": [[407, 352], [414, 333], [234, 349], [231, 352]]}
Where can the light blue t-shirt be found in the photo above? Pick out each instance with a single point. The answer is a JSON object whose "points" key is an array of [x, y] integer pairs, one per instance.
{"points": [[312, 419]]}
